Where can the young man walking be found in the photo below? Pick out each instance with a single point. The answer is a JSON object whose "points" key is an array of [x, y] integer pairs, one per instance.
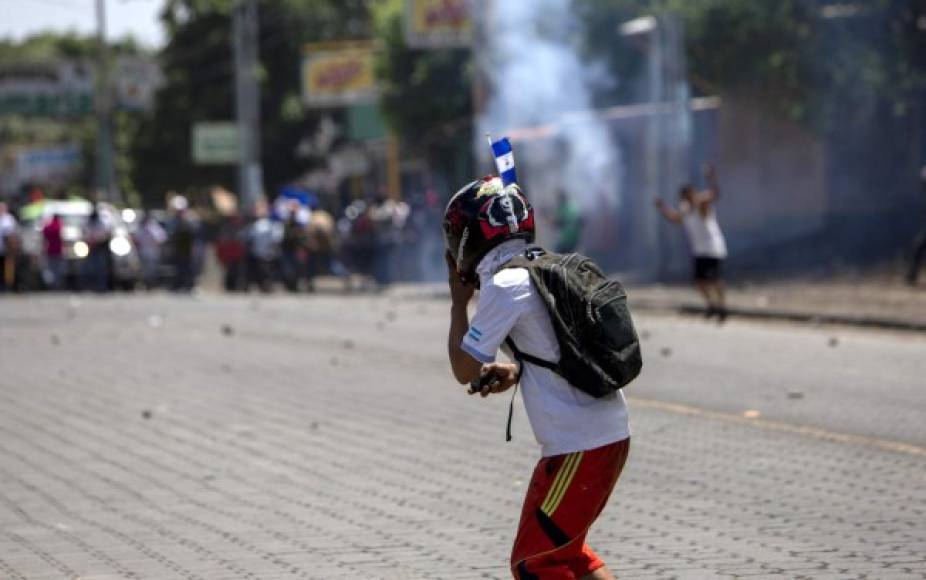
{"points": [[696, 213], [584, 440]]}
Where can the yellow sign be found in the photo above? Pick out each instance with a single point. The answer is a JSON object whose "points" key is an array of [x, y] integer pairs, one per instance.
{"points": [[438, 23], [337, 74]]}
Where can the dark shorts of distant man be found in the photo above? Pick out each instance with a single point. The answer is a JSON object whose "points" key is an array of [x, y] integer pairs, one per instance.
{"points": [[707, 269]]}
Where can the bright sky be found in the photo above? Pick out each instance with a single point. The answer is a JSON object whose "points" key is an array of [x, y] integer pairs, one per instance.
{"points": [[138, 18]]}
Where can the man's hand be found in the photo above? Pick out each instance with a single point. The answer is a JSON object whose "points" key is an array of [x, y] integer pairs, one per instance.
{"points": [[667, 211], [465, 367], [503, 377], [460, 292]]}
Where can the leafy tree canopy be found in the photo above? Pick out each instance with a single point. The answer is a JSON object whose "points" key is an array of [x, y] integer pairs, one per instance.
{"points": [[795, 53], [427, 94], [18, 130], [197, 61]]}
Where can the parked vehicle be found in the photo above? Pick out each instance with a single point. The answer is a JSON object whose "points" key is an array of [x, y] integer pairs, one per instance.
{"points": [[125, 267]]}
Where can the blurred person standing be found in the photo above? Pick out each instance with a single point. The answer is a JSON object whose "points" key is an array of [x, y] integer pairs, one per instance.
{"points": [[389, 217], [358, 241], [96, 265], [429, 241], [264, 237], [384, 240], [231, 251], [919, 243], [54, 253], [568, 223], [706, 241], [320, 245], [183, 232], [293, 248], [404, 259], [149, 238], [8, 241]]}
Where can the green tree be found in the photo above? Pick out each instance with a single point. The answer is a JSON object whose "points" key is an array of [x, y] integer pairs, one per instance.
{"points": [[39, 131], [796, 54], [286, 27], [426, 96], [197, 66], [198, 62]]}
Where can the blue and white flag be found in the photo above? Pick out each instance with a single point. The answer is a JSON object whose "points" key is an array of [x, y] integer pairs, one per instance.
{"points": [[504, 160]]}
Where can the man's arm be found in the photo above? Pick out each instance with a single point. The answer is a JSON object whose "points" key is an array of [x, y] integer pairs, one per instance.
{"points": [[465, 368], [712, 192], [668, 212]]}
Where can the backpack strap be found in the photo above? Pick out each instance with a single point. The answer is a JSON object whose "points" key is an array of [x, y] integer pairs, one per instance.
{"points": [[511, 410], [524, 259], [523, 357]]}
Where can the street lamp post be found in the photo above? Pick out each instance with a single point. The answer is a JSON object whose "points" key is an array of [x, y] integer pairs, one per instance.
{"points": [[105, 174], [247, 101], [668, 125]]}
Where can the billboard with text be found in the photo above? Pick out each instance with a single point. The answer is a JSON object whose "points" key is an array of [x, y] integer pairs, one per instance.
{"points": [[338, 74], [438, 23]]}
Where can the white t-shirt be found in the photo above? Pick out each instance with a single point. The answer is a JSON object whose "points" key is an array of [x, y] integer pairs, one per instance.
{"points": [[149, 238], [563, 418], [704, 233], [7, 227]]}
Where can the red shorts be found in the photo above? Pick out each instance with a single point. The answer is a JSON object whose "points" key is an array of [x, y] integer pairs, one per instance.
{"points": [[566, 494]]}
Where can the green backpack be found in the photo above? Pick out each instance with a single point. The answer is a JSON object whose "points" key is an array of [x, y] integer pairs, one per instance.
{"points": [[599, 348]]}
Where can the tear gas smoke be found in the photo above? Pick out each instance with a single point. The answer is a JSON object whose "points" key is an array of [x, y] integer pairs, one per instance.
{"points": [[539, 77]]}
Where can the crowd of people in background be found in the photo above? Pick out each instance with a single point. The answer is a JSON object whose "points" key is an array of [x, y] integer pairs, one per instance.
{"points": [[371, 242], [376, 241], [76, 245], [73, 244]]}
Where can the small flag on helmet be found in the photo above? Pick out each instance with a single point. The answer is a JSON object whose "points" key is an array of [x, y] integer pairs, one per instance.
{"points": [[504, 160]]}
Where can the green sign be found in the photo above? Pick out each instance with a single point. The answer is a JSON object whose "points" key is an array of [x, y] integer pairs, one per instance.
{"points": [[46, 88], [46, 104], [364, 122], [215, 143]]}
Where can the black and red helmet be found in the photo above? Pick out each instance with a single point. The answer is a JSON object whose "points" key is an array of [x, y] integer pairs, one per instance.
{"points": [[482, 215]]}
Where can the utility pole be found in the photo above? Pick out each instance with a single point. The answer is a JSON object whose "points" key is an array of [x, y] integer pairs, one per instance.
{"points": [[105, 175], [247, 101]]}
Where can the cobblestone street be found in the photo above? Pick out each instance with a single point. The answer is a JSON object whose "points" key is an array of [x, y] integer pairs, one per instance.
{"points": [[323, 437]]}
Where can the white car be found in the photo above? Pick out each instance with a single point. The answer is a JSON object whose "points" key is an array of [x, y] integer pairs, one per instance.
{"points": [[126, 267]]}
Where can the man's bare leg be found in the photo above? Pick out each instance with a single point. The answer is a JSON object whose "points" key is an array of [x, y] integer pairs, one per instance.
{"points": [[600, 574], [719, 292], [719, 300], [704, 288]]}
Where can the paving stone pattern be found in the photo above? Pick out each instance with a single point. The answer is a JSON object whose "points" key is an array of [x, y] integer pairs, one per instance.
{"points": [[218, 438]]}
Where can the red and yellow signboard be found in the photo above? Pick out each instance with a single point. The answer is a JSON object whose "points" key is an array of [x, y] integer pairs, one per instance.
{"points": [[438, 23], [337, 74]]}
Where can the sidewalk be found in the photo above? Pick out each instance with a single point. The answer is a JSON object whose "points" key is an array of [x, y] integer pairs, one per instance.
{"points": [[874, 303], [870, 302]]}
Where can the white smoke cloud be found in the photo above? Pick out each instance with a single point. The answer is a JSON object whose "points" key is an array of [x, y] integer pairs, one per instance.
{"points": [[539, 77]]}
